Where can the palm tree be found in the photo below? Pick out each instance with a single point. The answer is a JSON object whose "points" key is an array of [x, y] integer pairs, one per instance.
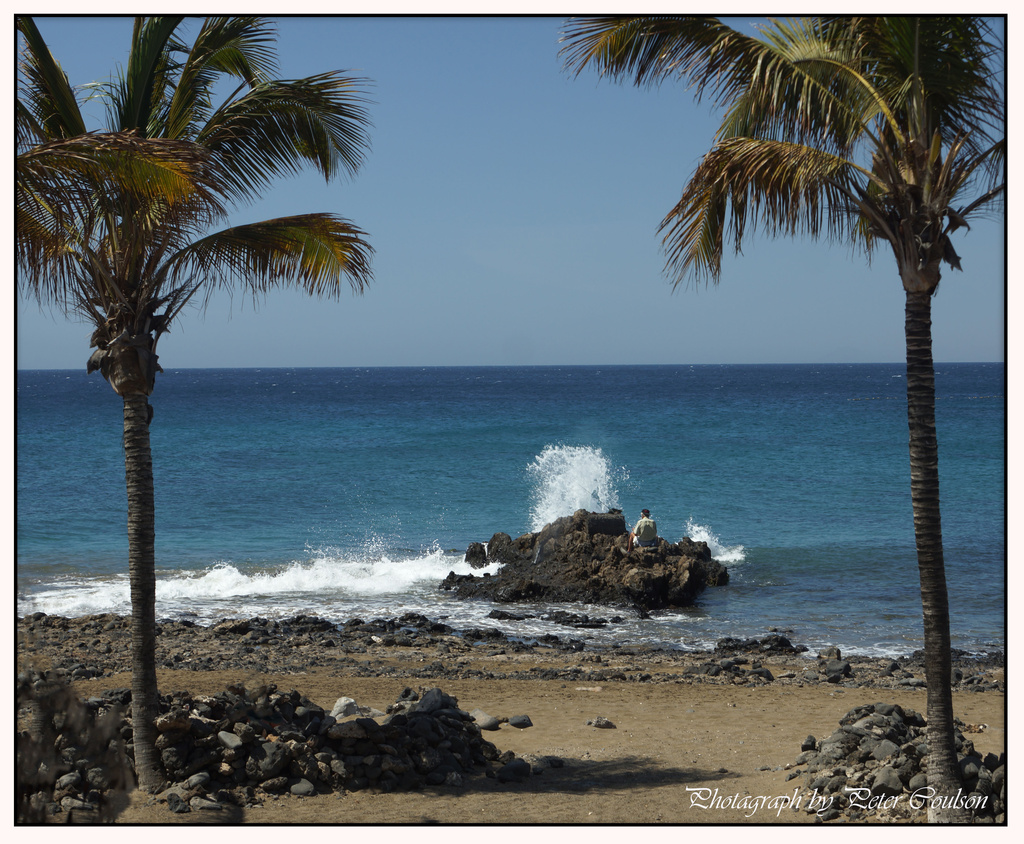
{"points": [[885, 130], [117, 226]]}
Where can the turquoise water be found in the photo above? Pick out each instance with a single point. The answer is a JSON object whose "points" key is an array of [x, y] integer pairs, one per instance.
{"points": [[344, 492]]}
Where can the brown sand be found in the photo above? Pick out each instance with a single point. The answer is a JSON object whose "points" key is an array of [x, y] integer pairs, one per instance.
{"points": [[734, 741]]}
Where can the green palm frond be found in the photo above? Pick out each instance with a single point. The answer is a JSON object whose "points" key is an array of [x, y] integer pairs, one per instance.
{"points": [[806, 88], [47, 102], [240, 48], [262, 129], [984, 161], [132, 99], [962, 93], [279, 127]]}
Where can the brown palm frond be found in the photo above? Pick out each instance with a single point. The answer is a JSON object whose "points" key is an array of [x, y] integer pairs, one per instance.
{"points": [[68, 192], [119, 162], [318, 253], [788, 188]]}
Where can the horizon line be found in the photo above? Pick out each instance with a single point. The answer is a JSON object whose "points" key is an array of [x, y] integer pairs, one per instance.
{"points": [[534, 365]]}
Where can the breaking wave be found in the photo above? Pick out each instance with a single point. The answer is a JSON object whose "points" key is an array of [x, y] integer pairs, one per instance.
{"points": [[723, 553]]}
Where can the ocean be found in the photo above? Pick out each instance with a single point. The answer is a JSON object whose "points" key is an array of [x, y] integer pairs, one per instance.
{"points": [[352, 492]]}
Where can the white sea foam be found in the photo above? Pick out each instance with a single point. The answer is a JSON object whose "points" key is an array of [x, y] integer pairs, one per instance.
{"points": [[569, 478], [328, 577], [77, 597], [723, 553]]}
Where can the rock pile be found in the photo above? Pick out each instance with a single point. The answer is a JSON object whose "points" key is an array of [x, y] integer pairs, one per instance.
{"points": [[874, 768], [70, 761], [232, 749], [583, 558]]}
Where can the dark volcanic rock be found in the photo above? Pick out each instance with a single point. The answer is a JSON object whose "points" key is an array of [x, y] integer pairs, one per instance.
{"points": [[874, 767], [583, 558], [607, 524], [476, 555], [773, 644]]}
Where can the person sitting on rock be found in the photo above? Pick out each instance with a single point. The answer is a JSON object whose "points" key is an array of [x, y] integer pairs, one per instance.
{"points": [[645, 533]]}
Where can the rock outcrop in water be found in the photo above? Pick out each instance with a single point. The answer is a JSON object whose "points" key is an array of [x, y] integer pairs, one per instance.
{"points": [[583, 558]]}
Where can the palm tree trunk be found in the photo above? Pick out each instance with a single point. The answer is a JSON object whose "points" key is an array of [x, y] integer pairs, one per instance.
{"points": [[138, 464], [943, 769]]}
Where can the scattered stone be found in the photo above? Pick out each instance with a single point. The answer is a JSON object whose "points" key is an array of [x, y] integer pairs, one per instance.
{"points": [[200, 780], [218, 735], [303, 788], [515, 770], [601, 723], [343, 707], [539, 764], [520, 721], [302, 643], [838, 667], [484, 721], [177, 805], [773, 643]]}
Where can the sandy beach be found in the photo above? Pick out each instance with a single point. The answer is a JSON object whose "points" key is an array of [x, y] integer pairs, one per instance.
{"points": [[684, 748]]}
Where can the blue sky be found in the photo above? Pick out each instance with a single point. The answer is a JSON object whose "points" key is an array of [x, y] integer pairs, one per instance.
{"points": [[514, 213]]}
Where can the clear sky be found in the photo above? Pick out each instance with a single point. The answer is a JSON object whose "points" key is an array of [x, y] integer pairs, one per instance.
{"points": [[514, 213]]}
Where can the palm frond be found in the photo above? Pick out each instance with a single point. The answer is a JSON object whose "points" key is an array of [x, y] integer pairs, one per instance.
{"points": [[959, 83], [116, 225], [70, 190], [788, 188], [44, 90], [279, 127], [649, 50], [805, 88], [116, 161], [805, 101], [238, 47], [316, 252], [134, 97]]}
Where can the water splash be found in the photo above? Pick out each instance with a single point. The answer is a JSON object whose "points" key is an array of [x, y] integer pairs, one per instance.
{"points": [[569, 478], [723, 553]]}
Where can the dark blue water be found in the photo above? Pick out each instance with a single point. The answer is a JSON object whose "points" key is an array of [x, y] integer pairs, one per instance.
{"points": [[342, 492]]}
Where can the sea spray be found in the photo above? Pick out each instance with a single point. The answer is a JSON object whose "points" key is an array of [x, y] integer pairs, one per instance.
{"points": [[723, 553], [570, 478]]}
